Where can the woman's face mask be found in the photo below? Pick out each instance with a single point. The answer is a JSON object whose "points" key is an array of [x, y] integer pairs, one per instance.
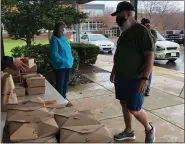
{"points": [[64, 32]]}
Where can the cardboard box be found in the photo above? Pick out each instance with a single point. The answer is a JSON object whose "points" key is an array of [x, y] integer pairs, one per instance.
{"points": [[80, 128], [31, 125], [35, 82], [30, 62], [13, 72], [31, 70], [20, 90], [35, 91]]}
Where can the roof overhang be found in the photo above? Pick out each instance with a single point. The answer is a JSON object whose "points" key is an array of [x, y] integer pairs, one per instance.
{"points": [[68, 2]]}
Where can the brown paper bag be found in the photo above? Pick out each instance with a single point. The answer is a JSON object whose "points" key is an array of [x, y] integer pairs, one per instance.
{"points": [[16, 79], [7, 84], [12, 71], [32, 104], [12, 98], [35, 91], [31, 70], [31, 125], [35, 82], [20, 90], [51, 139], [30, 62], [82, 129], [62, 114]]}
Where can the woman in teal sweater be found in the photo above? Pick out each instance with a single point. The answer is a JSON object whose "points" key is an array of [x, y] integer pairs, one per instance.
{"points": [[61, 58]]}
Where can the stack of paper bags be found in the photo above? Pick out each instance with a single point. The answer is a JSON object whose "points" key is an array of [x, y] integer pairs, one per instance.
{"points": [[15, 74], [31, 64], [84, 128], [80, 126], [35, 83], [30, 121], [20, 89], [7, 91]]}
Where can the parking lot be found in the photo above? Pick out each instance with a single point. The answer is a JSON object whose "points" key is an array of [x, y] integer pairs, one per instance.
{"points": [[177, 65]]}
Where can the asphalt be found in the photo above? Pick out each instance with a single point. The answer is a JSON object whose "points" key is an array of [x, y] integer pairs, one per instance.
{"points": [[177, 65]]}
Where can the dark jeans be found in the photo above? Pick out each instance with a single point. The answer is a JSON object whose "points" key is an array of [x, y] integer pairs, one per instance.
{"points": [[149, 83], [62, 78]]}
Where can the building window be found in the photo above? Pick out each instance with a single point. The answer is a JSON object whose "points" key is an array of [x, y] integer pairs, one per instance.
{"points": [[111, 32], [85, 26], [92, 26]]}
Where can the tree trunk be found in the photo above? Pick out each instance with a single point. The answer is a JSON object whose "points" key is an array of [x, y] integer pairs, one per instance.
{"points": [[28, 40], [49, 35]]}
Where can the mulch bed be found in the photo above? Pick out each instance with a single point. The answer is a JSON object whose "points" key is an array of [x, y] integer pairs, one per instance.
{"points": [[92, 69], [88, 69]]}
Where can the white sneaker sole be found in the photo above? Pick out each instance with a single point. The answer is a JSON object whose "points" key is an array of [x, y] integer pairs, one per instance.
{"points": [[127, 138]]}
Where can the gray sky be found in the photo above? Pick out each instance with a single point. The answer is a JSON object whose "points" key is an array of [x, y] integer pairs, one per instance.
{"points": [[114, 3]]}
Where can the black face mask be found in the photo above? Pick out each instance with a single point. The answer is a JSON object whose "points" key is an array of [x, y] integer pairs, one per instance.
{"points": [[120, 20]]}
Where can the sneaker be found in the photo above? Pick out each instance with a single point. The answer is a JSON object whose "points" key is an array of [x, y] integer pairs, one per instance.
{"points": [[124, 136], [66, 101], [147, 94], [150, 135]]}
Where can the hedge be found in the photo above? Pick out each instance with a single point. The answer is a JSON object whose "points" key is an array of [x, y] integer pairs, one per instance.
{"points": [[87, 52], [41, 55], [83, 54]]}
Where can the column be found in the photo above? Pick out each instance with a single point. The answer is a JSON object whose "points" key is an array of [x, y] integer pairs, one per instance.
{"points": [[76, 26]]}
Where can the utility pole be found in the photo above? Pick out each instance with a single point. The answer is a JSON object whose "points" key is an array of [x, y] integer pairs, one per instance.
{"points": [[135, 4]]}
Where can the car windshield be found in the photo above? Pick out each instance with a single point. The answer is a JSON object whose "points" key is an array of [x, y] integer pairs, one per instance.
{"points": [[160, 37], [97, 37]]}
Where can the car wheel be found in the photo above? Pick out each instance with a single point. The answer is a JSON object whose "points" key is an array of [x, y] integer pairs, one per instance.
{"points": [[172, 60]]}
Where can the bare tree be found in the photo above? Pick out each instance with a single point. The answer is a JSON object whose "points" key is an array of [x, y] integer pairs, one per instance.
{"points": [[159, 12]]}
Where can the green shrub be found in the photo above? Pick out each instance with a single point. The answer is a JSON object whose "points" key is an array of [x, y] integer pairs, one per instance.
{"points": [[87, 52], [41, 55]]}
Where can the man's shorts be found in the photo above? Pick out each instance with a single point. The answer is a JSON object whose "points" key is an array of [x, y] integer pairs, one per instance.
{"points": [[127, 90]]}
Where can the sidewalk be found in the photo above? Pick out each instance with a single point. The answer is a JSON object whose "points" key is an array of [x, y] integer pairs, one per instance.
{"points": [[165, 106]]}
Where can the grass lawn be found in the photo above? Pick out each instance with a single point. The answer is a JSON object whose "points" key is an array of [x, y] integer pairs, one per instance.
{"points": [[9, 43]]}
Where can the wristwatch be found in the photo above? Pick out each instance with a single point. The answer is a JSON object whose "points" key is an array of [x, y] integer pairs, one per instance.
{"points": [[144, 78]]}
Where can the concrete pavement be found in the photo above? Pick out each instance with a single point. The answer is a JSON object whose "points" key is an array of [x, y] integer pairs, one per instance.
{"points": [[165, 106]]}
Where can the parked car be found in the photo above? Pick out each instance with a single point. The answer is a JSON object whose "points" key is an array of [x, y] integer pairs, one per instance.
{"points": [[100, 40], [166, 50], [175, 36]]}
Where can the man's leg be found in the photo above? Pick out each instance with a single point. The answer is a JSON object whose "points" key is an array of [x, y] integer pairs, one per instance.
{"points": [[147, 93], [121, 95], [134, 104], [127, 116]]}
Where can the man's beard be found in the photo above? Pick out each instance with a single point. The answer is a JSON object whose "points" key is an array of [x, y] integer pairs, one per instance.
{"points": [[125, 26]]}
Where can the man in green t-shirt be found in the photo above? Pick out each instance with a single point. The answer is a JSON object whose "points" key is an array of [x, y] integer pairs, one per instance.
{"points": [[146, 23], [133, 62]]}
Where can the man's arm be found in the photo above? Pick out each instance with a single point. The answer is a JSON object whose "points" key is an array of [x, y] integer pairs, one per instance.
{"points": [[6, 61], [148, 49], [148, 65]]}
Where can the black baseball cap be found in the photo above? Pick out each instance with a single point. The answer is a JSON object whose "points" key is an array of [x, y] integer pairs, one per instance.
{"points": [[123, 6]]}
